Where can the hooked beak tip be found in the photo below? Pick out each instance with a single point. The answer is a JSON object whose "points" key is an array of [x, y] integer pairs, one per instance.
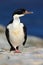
{"points": [[28, 12]]}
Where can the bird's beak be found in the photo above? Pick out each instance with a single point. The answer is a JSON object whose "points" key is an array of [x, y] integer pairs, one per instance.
{"points": [[28, 12]]}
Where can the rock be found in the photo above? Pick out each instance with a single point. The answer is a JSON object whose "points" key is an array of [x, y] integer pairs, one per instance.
{"points": [[2, 29], [33, 41], [33, 57]]}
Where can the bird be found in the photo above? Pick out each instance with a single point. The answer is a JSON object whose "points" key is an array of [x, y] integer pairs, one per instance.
{"points": [[16, 32]]}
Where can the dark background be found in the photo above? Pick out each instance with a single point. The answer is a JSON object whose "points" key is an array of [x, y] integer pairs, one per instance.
{"points": [[34, 22]]}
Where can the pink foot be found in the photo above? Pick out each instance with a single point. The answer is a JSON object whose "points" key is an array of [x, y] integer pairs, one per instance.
{"points": [[17, 51]]}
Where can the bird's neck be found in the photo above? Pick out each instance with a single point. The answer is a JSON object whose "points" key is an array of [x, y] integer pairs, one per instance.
{"points": [[16, 20]]}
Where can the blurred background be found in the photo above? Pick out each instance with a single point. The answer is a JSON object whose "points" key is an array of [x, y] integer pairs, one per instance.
{"points": [[34, 22]]}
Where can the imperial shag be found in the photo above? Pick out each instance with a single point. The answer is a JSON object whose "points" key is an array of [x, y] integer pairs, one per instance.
{"points": [[16, 33]]}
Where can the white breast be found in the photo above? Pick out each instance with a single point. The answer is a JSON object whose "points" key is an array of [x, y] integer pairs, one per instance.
{"points": [[16, 34]]}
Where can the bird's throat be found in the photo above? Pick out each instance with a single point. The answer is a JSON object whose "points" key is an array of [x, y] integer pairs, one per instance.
{"points": [[16, 20]]}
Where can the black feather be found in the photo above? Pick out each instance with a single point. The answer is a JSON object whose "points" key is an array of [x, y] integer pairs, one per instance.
{"points": [[25, 33], [19, 11]]}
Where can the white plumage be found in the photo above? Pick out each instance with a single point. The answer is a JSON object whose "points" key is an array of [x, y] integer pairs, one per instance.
{"points": [[16, 33]]}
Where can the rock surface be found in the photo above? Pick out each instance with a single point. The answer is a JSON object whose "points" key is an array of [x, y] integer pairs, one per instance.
{"points": [[34, 56]]}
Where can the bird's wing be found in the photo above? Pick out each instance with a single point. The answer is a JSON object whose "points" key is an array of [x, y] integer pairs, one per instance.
{"points": [[25, 33], [7, 36]]}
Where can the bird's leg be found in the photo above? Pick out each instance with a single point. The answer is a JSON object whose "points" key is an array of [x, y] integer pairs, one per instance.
{"points": [[12, 49], [17, 50]]}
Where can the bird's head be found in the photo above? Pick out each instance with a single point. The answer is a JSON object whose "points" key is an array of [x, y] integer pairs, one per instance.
{"points": [[21, 12]]}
